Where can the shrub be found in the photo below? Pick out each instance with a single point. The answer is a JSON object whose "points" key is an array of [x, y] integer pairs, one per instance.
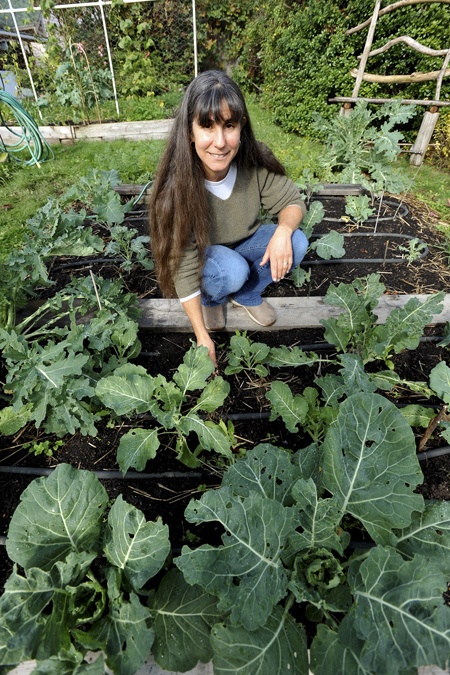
{"points": [[440, 151], [299, 55]]}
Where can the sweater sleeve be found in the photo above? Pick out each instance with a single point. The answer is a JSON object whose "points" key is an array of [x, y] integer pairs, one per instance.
{"points": [[186, 278], [278, 192]]}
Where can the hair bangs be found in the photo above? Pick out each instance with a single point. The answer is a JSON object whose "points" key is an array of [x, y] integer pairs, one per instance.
{"points": [[210, 106]]}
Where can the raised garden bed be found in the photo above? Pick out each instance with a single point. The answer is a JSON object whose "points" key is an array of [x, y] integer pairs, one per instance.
{"points": [[164, 487]]}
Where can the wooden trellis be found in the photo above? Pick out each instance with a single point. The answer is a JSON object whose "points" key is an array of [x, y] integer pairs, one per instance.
{"points": [[431, 116]]}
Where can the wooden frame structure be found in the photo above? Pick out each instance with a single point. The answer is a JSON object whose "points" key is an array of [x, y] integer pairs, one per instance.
{"points": [[431, 116]]}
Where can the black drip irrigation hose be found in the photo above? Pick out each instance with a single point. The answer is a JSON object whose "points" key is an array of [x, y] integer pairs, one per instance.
{"points": [[337, 261], [436, 452], [117, 475], [104, 475]]}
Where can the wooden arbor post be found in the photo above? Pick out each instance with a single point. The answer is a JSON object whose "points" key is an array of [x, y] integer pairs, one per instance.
{"points": [[429, 121]]}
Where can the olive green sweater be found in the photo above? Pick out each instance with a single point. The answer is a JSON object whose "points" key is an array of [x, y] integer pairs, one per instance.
{"points": [[238, 217]]}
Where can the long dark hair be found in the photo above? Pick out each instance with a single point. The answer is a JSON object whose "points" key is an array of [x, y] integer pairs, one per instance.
{"points": [[178, 210]]}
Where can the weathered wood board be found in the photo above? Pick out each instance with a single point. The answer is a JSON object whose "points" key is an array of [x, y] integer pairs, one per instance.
{"points": [[168, 314], [65, 135]]}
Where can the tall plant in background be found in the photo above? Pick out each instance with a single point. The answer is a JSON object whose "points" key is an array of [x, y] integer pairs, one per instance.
{"points": [[79, 85], [362, 148]]}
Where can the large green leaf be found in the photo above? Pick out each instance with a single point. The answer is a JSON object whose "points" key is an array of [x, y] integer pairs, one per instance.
{"points": [[330, 657], [429, 534], [109, 208], [136, 546], [136, 447], [69, 664], [278, 647], [129, 390], [330, 245], [35, 610], [11, 420], [291, 409], [212, 436], [370, 465], [123, 635], [194, 371], [440, 381], [183, 616], [294, 356], [256, 529], [318, 521], [399, 612], [56, 515], [265, 469], [213, 395]]}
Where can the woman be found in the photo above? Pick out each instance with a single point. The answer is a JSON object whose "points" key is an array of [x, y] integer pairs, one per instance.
{"points": [[207, 236]]}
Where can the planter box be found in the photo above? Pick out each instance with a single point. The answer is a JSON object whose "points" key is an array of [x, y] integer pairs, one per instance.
{"points": [[70, 134], [302, 312]]}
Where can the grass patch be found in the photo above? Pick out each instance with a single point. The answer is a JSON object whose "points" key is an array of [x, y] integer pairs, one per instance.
{"points": [[294, 152], [432, 187], [30, 187], [25, 190]]}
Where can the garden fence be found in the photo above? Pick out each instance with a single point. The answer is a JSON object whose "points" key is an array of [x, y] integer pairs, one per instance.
{"points": [[85, 28]]}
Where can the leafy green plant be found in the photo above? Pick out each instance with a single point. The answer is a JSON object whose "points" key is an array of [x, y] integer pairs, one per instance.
{"points": [[57, 229], [286, 553], [47, 447], [52, 368], [247, 356], [329, 245], [413, 250], [286, 543], [362, 147], [79, 85], [131, 390], [83, 586], [299, 276], [358, 208], [131, 248], [356, 330]]}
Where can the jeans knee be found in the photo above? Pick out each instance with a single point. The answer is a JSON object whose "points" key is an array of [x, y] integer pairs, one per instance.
{"points": [[299, 246], [224, 272]]}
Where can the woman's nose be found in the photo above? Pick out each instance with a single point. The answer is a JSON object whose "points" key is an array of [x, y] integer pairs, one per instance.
{"points": [[219, 136]]}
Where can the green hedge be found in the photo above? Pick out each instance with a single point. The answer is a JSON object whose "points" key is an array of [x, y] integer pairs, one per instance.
{"points": [[297, 54]]}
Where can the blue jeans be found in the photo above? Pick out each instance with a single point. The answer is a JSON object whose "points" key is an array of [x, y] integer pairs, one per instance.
{"points": [[236, 271]]}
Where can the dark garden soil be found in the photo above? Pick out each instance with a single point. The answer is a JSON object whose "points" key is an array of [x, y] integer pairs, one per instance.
{"points": [[168, 493]]}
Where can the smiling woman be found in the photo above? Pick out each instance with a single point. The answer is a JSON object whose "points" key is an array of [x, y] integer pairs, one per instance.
{"points": [[208, 239]]}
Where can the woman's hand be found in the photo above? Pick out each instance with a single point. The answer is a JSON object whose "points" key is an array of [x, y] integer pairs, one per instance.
{"points": [[279, 248], [193, 309], [207, 342], [279, 252]]}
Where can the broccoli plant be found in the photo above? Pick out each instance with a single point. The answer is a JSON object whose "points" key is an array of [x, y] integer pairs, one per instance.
{"points": [[286, 545], [356, 329], [55, 356], [79, 579], [131, 390]]}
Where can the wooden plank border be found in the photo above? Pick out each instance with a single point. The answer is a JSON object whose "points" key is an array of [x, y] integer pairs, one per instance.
{"points": [[168, 315], [70, 134]]}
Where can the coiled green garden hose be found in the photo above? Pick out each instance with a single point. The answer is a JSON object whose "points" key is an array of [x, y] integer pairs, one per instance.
{"points": [[29, 140]]}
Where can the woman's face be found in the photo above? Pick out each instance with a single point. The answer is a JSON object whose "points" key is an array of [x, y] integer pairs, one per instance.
{"points": [[217, 144]]}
